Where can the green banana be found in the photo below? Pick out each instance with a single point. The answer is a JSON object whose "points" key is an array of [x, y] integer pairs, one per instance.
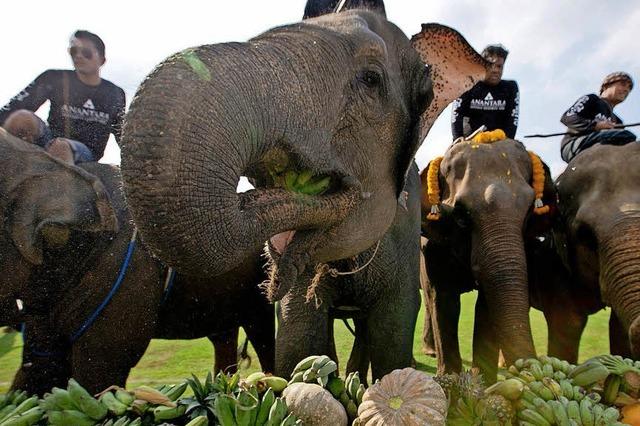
{"points": [[162, 412], [353, 384], [588, 373], [297, 377], [519, 364], [69, 418], [125, 397], [352, 410], [323, 381], [547, 370], [274, 382], [536, 371], [573, 411], [122, 421], [268, 398], [533, 417], [62, 399], [316, 187], [135, 422], [559, 413], [586, 413], [336, 386], [597, 414], [553, 386], [176, 391], [26, 405], [511, 389], [27, 418], [87, 403], [578, 393], [567, 389], [17, 397], [611, 387], [290, 177], [327, 368], [559, 375], [199, 421], [277, 413], [609, 416], [528, 395], [541, 390], [310, 375], [527, 376], [224, 408], [320, 362], [253, 378], [302, 178], [8, 409], [112, 403], [360, 394], [544, 409], [305, 363]]}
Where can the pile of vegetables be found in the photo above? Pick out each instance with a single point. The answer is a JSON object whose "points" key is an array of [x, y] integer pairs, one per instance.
{"points": [[543, 391]]}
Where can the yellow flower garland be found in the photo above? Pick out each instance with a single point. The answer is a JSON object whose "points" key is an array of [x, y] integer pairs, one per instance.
{"points": [[537, 181], [433, 188]]}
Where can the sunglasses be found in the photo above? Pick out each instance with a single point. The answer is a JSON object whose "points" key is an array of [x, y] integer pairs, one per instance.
{"points": [[84, 52]]}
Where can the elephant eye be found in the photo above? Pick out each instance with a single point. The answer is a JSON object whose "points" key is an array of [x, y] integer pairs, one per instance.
{"points": [[370, 78]]}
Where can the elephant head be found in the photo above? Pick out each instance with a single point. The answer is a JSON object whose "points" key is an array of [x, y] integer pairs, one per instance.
{"points": [[41, 199], [600, 207], [338, 102], [486, 208]]}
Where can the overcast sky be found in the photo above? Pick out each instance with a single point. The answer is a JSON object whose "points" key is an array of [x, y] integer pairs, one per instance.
{"points": [[560, 49]]}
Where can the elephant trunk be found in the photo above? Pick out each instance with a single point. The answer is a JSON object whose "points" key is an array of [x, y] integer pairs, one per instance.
{"points": [[501, 270], [193, 129], [620, 275]]}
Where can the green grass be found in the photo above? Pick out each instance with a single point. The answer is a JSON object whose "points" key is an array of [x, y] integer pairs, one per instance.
{"points": [[169, 361]]}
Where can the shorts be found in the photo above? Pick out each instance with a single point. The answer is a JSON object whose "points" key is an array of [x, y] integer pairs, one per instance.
{"points": [[81, 153]]}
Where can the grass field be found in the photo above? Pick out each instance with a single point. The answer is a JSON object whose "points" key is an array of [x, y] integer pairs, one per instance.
{"points": [[169, 361]]}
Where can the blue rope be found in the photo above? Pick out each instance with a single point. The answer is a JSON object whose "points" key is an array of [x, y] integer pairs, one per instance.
{"points": [[167, 288], [123, 270]]}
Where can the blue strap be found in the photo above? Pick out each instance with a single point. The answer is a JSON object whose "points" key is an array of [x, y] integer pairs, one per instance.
{"points": [[171, 274], [123, 270]]}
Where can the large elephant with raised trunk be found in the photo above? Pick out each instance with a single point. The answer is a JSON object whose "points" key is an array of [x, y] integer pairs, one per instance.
{"points": [[486, 204], [599, 239], [343, 100]]}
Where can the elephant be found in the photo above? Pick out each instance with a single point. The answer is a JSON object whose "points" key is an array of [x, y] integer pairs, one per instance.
{"points": [[480, 242], [598, 238], [345, 97], [75, 276]]}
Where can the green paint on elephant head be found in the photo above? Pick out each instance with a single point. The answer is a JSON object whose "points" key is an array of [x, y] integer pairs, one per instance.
{"points": [[486, 209], [342, 97], [600, 206], [196, 64]]}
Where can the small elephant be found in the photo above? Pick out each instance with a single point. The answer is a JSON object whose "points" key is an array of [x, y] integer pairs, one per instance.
{"points": [[77, 274], [479, 242], [599, 240]]}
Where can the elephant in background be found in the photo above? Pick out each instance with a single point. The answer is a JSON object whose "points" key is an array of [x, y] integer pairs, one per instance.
{"points": [[480, 243], [75, 277], [599, 240], [342, 97]]}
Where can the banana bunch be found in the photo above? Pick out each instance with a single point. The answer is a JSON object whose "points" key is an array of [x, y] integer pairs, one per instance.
{"points": [[303, 182], [534, 410], [349, 392], [624, 376], [72, 406], [263, 381], [248, 409], [18, 409], [537, 368], [314, 369]]}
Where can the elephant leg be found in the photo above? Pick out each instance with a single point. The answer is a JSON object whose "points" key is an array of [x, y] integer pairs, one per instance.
{"points": [[225, 346], [485, 345], [447, 314], [359, 358], [302, 328], [618, 338], [565, 327], [260, 329], [390, 330]]}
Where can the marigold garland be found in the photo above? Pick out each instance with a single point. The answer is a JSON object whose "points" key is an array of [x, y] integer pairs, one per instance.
{"points": [[537, 181], [433, 188]]}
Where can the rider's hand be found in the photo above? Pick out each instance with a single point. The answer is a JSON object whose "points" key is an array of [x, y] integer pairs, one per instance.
{"points": [[602, 125]]}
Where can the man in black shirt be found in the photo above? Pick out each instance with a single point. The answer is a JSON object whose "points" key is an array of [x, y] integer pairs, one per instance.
{"points": [[84, 110], [493, 102], [591, 119]]}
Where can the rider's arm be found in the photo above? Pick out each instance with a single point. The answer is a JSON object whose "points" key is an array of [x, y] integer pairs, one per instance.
{"points": [[580, 117], [458, 112], [513, 111], [31, 98]]}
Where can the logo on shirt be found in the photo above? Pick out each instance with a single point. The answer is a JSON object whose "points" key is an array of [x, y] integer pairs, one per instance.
{"points": [[88, 104], [85, 113], [488, 97], [488, 104]]}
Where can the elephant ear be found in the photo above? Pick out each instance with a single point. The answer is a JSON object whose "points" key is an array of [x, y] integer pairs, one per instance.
{"points": [[454, 67], [43, 199]]}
